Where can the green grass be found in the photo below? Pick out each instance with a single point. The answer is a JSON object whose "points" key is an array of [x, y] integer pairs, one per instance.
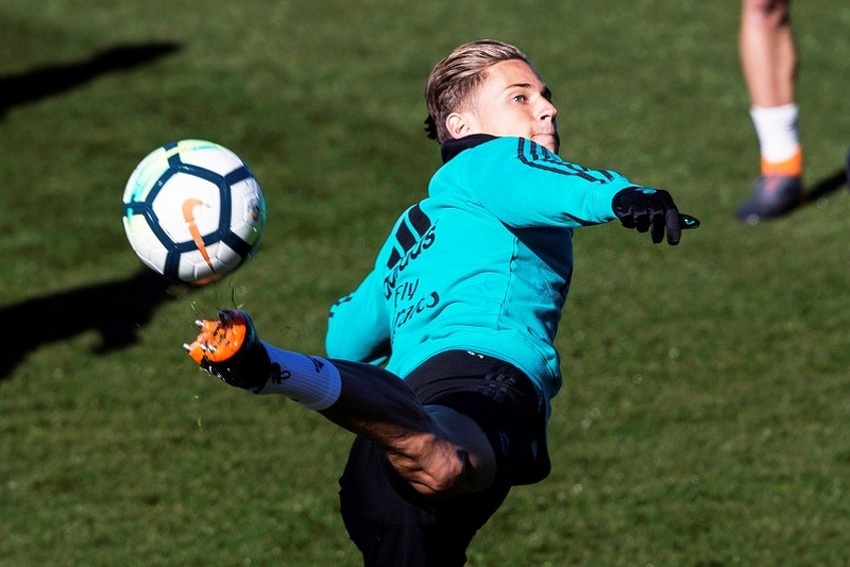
{"points": [[703, 419]]}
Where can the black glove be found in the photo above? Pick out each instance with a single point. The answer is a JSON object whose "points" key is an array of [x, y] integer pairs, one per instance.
{"points": [[650, 210]]}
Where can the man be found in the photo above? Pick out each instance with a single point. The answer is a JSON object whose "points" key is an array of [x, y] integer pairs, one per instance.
{"points": [[769, 62], [463, 303]]}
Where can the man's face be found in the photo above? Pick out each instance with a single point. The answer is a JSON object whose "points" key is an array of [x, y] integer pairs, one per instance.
{"points": [[513, 101]]}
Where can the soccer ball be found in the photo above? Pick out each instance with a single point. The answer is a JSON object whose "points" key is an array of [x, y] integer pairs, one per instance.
{"points": [[193, 211]]}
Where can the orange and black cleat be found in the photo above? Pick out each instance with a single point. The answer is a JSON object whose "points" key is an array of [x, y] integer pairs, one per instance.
{"points": [[229, 349]]}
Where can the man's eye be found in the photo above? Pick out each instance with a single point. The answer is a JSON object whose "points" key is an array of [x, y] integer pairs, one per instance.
{"points": [[519, 98]]}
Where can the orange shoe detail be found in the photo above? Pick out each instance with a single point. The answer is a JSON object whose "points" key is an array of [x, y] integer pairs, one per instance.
{"points": [[221, 339], [791, 167]]}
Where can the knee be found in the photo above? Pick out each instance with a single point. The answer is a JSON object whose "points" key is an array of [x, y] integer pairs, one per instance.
{"points": [[441, 481], [768, 13], [457, 458], [431, 465]]}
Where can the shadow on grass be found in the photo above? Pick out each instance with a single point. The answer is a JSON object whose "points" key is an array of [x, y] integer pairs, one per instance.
{"points": [[827, 185], [115, 309], [48, 81]]}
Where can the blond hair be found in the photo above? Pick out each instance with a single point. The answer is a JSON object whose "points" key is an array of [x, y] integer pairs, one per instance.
{"points": [[457, 76]]}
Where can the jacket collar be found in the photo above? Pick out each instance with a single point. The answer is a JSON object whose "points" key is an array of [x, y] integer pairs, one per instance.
{"points": [[453, 147]]}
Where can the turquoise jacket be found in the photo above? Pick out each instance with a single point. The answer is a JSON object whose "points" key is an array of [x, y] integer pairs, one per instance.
{"points": [[482, 264]]}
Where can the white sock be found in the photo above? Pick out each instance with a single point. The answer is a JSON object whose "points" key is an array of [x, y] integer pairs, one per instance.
{"points": [[776, 128], [311, 381]]}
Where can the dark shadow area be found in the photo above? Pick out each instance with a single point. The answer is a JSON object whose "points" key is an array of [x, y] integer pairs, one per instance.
{"points": [[827, 185], [115, 309], [48, 81]]}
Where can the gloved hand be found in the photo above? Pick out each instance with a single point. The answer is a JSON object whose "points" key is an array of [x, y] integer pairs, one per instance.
{"points": [[651, 210]]}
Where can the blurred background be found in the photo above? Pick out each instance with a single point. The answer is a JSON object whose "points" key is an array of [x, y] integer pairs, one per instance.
{"points": [[703, 417]]}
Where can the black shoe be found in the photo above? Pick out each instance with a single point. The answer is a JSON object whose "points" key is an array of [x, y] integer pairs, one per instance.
{"points": [[229, 349], [772, 196]]}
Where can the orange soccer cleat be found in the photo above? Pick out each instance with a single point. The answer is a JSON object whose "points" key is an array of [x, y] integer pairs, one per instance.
{"points": [[229, 349]]}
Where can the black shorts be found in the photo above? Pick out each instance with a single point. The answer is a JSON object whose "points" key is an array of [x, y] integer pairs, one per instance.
{"points": [[393, 525]]}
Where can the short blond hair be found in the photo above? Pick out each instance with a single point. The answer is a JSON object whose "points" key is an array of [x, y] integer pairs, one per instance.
{"points": [[458, 75]]}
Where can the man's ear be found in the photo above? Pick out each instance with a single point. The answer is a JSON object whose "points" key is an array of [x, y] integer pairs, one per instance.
{"points": [[459, 124]]}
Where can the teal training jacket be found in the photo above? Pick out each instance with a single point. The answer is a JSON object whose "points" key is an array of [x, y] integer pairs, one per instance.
{"points": [[482, 264]]}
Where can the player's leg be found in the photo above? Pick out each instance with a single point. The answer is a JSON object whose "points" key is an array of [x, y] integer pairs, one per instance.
{"points": [[393, 525], [769, 64], [438, 451], [768, 52]]}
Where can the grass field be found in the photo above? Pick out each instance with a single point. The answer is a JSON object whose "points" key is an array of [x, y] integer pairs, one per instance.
{"points": [[704, 416]]}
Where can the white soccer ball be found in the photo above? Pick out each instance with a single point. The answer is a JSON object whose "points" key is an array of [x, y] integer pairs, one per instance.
{"points": [[193, 211]]}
